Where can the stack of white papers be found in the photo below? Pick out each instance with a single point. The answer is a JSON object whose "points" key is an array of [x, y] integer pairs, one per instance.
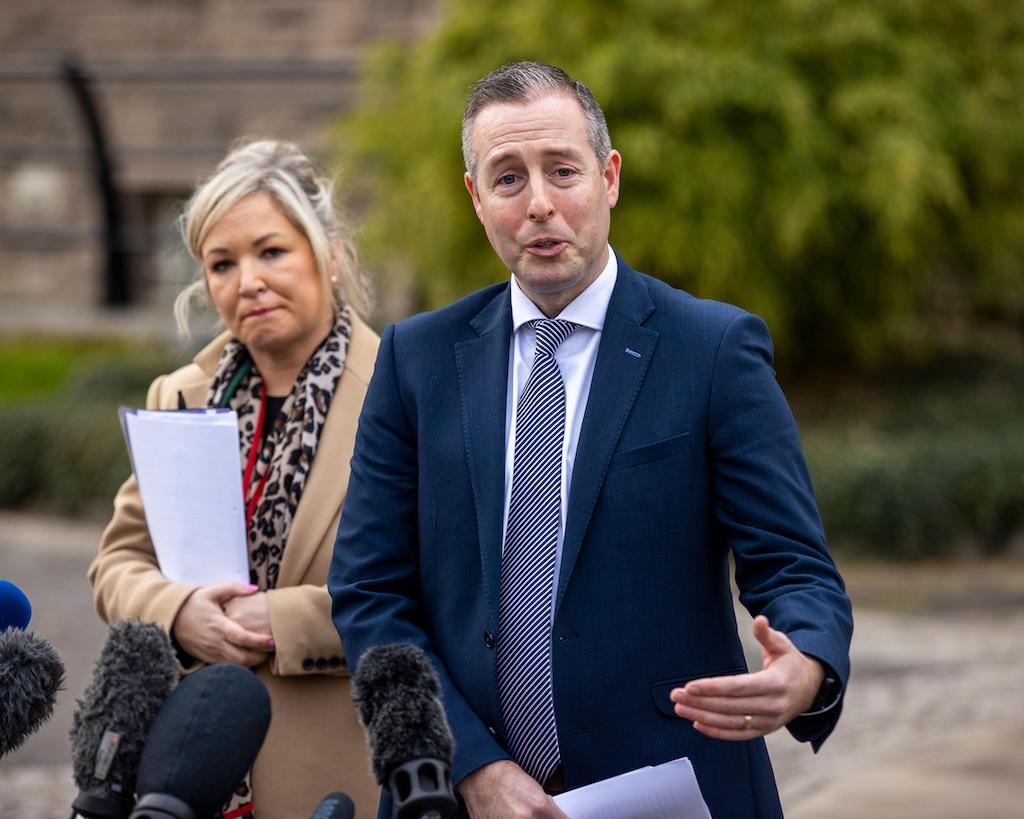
{"points": [[188, 468], [668, 791]]}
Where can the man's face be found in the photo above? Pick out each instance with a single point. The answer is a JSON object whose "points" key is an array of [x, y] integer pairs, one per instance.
{"points": [[544, 202]]}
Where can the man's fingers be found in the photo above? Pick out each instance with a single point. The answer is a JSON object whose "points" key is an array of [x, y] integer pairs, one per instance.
{"points": [[768, 704], [731, 685], [730, 726], [725, 733], [774, 642]]}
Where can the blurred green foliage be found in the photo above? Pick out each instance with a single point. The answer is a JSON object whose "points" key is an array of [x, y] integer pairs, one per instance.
{"points": [[917, 464], [61, 447], [922, 463], [847, 169]]}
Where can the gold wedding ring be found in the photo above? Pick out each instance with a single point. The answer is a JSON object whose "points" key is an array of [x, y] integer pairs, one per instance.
{"points": [[747, 719]]}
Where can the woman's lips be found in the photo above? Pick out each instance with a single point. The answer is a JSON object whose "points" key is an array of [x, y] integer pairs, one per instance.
{"points": [[261, 312], [546, 247]]}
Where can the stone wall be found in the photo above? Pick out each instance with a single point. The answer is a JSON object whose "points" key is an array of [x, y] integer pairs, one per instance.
{"points": [[176, 81]]}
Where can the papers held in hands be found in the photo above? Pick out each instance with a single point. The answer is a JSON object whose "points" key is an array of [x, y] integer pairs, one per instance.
{"points": [[668, 791], [189, 473]]}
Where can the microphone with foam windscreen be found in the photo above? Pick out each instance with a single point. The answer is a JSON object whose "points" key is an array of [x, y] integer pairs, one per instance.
{"points": [[335, 806], [134, 674], [398, 697], [15, 610], [202, 743], [31, 674]]}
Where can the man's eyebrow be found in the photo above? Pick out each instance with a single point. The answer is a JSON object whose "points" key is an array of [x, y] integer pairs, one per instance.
{"points": [[556, 153], [500, 159]]}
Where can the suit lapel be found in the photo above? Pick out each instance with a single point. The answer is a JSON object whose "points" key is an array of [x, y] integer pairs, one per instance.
{"points": [[327, 483], [482, 364], [623, 356]]}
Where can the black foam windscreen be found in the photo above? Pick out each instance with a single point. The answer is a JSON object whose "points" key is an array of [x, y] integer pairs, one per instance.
{"points": [[335, 806], [398, 697], [205, 737], [134, 674], [15, 610], [31, 674]]}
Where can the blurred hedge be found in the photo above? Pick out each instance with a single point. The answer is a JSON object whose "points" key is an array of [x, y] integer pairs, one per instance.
{"points": [[930, 465], [923, 496], [920, 462], [849, 170], [61, 447]]}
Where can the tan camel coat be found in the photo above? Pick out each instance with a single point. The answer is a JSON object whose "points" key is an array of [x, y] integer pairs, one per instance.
{"points": [[315, 744]]}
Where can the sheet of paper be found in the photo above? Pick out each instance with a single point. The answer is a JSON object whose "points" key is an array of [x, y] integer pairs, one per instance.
{"points": [[189, 473], [667, 791]]}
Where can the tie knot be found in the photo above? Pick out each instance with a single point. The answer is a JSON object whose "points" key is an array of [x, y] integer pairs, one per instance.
{"points": [[551, 333]]}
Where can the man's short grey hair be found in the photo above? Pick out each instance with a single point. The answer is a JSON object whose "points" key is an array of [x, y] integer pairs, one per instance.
{"points": [[525, 82]]}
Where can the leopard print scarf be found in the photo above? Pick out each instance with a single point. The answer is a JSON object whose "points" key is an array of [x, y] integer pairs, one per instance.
{"points": [[287, 453], [291, 445]]}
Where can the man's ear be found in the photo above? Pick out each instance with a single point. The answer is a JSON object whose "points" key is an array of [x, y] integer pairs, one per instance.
{"points": [[612, 168], [474, 194]]}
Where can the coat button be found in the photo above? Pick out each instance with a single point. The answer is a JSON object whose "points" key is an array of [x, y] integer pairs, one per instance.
{"points": [[308, 664], [334, 662], [488, 639], [321, 664]]}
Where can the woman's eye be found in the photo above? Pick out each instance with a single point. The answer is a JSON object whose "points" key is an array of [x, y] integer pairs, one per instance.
{"points": [[221, 266], [272, 252]]}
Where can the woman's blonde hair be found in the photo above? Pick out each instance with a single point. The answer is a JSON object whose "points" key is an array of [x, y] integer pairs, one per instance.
{"points": [[305, 197]]}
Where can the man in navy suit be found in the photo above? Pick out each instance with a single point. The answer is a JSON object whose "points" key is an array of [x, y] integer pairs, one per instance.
{"points": [[577, 606]]}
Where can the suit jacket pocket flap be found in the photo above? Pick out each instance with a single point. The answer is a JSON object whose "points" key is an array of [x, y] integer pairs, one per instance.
{"points": [[656, 451], [661, 689]]}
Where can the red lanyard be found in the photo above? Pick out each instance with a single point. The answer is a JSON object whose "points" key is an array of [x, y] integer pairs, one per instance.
{"points": [[250, 467]]}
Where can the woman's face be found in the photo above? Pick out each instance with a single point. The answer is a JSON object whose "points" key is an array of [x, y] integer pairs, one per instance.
{"points": [[263, 280]]}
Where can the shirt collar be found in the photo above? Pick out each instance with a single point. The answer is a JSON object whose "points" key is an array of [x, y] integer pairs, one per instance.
{"points": [[588, 309]]}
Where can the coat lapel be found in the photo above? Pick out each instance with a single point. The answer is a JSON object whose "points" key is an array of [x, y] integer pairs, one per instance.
{"points": [[482, 364], [623, 356], [327, 483]]}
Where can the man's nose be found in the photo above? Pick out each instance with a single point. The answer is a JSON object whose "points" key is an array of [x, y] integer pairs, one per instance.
{"points": [[541, 207]]}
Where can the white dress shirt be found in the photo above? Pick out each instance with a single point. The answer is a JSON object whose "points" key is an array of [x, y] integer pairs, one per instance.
{"points": [[575, 358]]}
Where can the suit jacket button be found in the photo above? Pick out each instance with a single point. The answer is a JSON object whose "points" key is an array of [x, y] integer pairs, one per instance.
{"points": [[308, 664], [334, 662], [321, 664], [488, 639], [493, 731]]}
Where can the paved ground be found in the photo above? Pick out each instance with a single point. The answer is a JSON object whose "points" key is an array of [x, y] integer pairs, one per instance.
{"points": [[933, 724]]}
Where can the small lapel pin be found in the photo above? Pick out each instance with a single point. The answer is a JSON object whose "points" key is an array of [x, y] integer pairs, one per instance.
{"points": [[633, 353]]}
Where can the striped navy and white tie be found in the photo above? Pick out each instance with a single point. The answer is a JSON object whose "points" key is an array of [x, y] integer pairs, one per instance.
{"points": [[528, 561]]}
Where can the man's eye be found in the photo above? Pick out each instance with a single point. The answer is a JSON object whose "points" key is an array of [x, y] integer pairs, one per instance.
{"points": [[507, 179], [564, 173]]}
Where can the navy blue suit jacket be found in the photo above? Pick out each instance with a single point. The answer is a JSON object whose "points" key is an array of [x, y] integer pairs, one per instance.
{"points": [[688, 452]]}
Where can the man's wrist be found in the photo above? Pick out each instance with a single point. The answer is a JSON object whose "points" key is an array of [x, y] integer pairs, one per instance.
{"points": [[826, 697]]}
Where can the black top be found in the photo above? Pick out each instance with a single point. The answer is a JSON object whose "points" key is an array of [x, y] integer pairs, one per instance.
{"points": [[274, 405]]}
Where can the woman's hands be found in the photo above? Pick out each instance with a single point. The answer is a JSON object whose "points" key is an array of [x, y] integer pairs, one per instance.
{"points": [[227, 623]]}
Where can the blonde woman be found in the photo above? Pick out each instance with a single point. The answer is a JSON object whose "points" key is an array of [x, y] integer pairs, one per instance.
{"points": [[294, 362]]}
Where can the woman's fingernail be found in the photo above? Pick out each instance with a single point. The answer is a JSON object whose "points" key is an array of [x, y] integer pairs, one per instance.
{"points": [[272, 643], [253, 587]]}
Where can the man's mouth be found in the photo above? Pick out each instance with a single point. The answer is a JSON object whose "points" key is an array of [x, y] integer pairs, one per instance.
{"points": [[546, 247]]}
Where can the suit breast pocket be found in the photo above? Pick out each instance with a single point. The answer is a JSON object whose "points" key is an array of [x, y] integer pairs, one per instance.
{"points": [[676, 446]]}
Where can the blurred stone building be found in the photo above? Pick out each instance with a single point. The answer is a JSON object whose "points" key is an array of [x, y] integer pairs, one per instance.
{"points": [[164, 86]]}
